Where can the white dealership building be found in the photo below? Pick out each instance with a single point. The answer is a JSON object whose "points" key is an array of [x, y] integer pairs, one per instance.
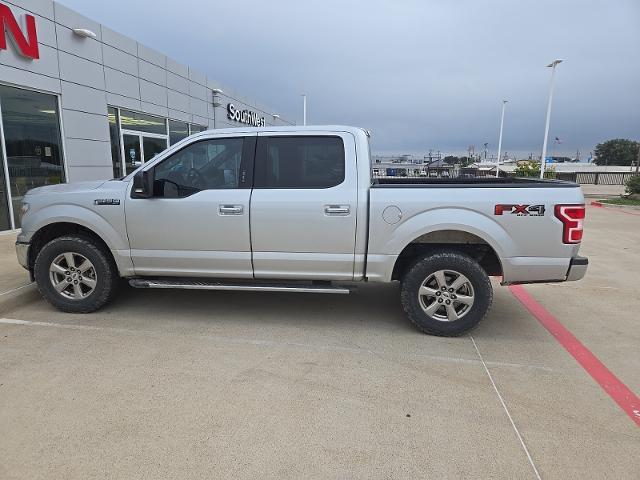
{"points": [[79, 101]]}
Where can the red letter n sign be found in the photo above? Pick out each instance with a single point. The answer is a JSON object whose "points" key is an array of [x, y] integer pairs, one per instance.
{"points": [[28, 46]]}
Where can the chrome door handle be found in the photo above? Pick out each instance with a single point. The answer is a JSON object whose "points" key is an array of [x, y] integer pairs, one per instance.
{"points": [[337, 210], [231, 209]]}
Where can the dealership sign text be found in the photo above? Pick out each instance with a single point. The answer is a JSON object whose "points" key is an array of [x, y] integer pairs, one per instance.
{"points": [[244, 116]]}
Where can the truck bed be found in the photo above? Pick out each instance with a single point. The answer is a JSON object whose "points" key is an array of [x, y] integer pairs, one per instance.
{"points": [[471, 182]]}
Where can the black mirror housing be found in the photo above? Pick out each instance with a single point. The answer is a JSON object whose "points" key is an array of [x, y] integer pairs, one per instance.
{"points": [[142, 184]]}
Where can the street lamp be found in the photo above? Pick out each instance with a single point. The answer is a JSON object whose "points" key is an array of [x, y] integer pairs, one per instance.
{"points": [[504, 104], [543, 160], [304, 109]]}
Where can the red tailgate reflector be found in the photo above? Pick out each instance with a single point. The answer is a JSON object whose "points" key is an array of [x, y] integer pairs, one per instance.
{"points": [[571, 217]]}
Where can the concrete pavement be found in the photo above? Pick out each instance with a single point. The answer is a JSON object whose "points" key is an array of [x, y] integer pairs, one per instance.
{"points": [[13, 275], [602, 191], [191, 384]]}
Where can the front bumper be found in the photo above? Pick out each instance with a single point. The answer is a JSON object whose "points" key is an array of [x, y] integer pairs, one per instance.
{"points": [[22, 252], [577, 268]]}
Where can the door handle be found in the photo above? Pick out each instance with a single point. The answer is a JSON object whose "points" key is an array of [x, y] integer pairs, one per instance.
{"points": [[337, 210], [230, 209]]}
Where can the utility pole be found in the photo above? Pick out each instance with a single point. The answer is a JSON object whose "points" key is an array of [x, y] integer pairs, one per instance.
{"points": [[543, 159], [638, 160], [304, 109], [504, 104]]}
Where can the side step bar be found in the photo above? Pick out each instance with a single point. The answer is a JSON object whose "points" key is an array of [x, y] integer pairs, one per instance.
{"points": [[254, 287]]}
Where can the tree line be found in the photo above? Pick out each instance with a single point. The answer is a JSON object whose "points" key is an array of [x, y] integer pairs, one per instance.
{"points": [[618, 151]]}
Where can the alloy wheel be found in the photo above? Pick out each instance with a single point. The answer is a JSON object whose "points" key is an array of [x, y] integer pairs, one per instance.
{"points": [[446, 295], [73, 275]]}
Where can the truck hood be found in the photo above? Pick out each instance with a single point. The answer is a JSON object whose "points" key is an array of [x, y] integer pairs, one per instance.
{"points": [[67, 187]]}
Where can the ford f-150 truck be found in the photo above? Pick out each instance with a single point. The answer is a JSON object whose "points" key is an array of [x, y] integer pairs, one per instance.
{"points": [[296, 209]]}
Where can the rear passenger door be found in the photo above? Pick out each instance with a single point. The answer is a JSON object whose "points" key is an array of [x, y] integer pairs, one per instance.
{"points": [[303, 206]]}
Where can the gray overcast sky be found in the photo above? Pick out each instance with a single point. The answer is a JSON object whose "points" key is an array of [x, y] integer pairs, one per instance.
{"points": [[419, 74]]}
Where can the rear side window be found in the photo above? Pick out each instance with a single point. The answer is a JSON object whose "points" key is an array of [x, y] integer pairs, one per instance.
{"points": [[300, 162]]}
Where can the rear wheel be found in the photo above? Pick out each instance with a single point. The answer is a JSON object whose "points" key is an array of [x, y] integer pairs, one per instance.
{"points": [[75, 274], [446, 293]]}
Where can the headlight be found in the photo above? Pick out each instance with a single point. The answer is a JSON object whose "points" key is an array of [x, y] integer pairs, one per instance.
{"points": [[24, 208]]}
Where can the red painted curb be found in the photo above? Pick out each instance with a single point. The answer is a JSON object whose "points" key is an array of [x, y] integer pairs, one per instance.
{"points": [[618, 391], [616, 209]]}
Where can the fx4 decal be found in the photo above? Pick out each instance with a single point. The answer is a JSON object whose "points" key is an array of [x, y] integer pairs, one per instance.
{"points": [[520, 210]]}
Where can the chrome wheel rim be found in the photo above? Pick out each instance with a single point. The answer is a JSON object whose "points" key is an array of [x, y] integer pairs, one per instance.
{"points": [[446, 295], [73, 275]]}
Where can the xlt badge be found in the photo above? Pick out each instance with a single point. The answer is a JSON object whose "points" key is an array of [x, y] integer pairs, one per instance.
{"points": [[106, 201]]}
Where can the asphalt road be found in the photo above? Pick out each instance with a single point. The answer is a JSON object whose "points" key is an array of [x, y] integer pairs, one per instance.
{"points": [[184, 384]]}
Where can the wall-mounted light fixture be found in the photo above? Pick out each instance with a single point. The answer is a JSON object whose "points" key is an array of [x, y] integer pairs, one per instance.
{"points": [[216, 97], [84, 32], [276, 116]]}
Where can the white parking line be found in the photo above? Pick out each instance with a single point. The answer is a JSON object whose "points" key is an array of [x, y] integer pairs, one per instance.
{"points": [[272, 343], [16, 289], [504, 406]]}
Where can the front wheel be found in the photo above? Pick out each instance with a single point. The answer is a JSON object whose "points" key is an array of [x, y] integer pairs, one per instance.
{"points": [[446, 293], [75, 274]]}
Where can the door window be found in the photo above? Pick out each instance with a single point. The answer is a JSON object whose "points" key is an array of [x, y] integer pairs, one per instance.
{"points": [[204, 165], [300, 162], [152, 146], [132, 156]]}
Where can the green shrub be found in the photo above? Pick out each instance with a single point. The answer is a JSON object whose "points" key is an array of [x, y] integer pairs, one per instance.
{"points": [[633, 185], [530, 168]]}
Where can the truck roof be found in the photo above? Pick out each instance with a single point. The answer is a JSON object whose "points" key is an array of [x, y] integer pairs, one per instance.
{"points": [[293, 128]]}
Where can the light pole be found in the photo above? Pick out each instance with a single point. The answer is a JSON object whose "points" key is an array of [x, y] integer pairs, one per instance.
{"points": [[304, 109], [543, 160], [504, 104]]}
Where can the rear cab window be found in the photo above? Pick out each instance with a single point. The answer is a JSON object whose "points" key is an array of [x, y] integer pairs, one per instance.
{"points": [[304, 162]]}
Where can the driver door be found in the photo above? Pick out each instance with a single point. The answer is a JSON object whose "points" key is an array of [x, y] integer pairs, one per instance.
{"points": [[197, 222]]}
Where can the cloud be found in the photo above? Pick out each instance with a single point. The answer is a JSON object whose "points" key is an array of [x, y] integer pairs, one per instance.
{"points": [[419, 74]]}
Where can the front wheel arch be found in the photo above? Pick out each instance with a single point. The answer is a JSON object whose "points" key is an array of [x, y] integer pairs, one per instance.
{"points": [[60, 229]]}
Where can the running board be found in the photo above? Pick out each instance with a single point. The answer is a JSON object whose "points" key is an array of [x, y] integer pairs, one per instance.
{"points": [[254, 287]]}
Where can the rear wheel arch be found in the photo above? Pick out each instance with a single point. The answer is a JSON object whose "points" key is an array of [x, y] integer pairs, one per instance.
{"points": [[461, 241]]}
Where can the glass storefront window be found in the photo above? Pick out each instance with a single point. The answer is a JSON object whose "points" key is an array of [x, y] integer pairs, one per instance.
{"points": [[142, 122], [177, 131], [32, 142], [114, 136], [196, 128], [5, 219]]}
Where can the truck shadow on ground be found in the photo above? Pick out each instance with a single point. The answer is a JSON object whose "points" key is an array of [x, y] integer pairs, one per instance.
{"points": [[374, 307]]}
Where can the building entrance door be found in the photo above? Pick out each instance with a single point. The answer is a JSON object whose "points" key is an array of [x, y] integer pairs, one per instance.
{"points": [[140, 148]]}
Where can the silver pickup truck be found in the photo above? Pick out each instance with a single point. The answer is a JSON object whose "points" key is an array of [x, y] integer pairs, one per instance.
{"points": [[296, 209]]}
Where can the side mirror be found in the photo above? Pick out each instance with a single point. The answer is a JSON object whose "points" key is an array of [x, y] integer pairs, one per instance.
{"points": [[142, 184]]}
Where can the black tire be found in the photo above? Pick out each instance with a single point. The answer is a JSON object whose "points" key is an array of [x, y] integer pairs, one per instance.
{"points": [[478, 287], [104, 269]]}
